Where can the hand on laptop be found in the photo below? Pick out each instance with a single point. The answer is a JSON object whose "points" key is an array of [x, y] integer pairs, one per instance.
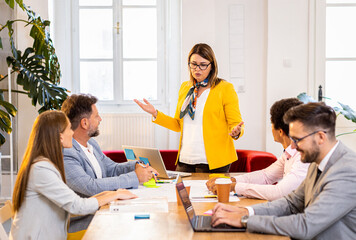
{"points": [[212, 187], [231, 215], [145, 173]]}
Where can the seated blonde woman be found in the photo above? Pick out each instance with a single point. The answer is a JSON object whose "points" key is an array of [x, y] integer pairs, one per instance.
{"points": [[42, 201]]}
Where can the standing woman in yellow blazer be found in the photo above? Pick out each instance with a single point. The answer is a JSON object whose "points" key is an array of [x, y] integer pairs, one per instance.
{"points": [[207, 116]]}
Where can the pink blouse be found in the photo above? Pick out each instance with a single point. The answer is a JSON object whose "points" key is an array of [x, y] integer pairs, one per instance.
{"points": [[288, 171]]}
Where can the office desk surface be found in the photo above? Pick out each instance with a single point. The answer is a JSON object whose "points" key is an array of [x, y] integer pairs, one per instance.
{"points": [[172, 225]]}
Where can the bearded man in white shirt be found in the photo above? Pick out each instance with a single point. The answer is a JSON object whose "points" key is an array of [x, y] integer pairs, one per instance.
{"points": [[287, 172], [88, 171]]}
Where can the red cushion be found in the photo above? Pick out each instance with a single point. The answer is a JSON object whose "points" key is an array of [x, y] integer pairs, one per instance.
{"points": [[116, 155], [169, 158], [249, 160]]}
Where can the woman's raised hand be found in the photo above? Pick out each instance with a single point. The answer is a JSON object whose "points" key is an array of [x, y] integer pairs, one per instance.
{"points": [[148, 107]]}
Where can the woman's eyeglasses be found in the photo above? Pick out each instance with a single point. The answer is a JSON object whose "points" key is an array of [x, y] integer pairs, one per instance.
{"points": [[201, 66]]}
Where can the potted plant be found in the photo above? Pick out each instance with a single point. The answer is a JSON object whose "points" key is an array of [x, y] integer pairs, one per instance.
{"points": [[37, 68], [339, 108]]}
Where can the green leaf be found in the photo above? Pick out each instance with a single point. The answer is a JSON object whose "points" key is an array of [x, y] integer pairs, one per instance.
{"points": [[34, 78], [5, 123], [12, 42], [1, 44], [11, 109], [347, 111], [2, 139], [11, 3], [20, 3], [305, 98], [1, 95]]}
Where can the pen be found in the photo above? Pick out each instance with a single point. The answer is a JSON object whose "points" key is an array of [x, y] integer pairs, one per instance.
{"points": [[206, 196], [139, 163], [142, 216], [210, 196], [144, 166]]}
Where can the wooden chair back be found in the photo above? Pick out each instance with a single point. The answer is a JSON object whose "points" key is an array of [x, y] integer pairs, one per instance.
{"points": [[5, 214]]}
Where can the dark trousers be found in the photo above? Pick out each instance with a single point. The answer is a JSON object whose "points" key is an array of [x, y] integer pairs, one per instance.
{"points": [[201, 168]]}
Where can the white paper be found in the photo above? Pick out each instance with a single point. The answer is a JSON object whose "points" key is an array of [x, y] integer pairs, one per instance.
{"points": [[141, 205]]}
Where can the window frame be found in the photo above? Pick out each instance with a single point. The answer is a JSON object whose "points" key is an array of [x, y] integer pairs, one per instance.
{"points": [[318, 48], [119, 104]]}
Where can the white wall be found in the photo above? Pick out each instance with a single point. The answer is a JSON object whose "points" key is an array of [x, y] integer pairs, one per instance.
{"points": [[208, 22], [287, 44]]}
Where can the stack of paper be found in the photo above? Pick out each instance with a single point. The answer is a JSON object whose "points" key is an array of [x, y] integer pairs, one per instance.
{"points": [[146, 205]]}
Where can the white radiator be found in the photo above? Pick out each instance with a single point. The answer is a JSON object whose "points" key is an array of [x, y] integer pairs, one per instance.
{"points": [[117, 129]]}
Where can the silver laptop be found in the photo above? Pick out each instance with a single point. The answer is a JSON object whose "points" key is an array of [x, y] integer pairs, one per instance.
{"points": [[201, 223], [153, 157]]}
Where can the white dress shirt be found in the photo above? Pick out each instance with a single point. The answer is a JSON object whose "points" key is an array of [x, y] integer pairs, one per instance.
{"points": [[89, 152]]}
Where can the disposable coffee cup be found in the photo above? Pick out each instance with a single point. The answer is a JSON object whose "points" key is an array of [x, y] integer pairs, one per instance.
{"points": [[179, 202], [223, 186]]}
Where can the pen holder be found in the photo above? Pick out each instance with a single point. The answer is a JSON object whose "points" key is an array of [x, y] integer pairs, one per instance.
{"points": [[179, 202]]}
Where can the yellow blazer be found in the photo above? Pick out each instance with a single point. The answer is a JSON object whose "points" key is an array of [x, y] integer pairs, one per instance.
{"points": [[221, 114]]}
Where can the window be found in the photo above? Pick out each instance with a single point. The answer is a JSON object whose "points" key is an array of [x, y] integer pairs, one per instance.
{"points": [[119, 49], [340, 51]]}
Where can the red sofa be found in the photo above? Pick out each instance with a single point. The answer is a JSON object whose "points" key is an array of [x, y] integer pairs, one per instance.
{"points": [[248, 160]]}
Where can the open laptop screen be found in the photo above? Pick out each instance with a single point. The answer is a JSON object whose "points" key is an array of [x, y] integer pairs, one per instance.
{"points": [[184, 197]]}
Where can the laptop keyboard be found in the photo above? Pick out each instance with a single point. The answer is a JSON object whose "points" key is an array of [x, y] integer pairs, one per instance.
{"points": [[204, 222]]}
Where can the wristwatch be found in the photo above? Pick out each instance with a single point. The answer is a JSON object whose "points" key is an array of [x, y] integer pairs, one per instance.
{"points": [[244, 220]]}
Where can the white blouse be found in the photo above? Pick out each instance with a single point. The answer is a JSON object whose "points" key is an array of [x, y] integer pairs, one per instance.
{"points": [[193, 149]]}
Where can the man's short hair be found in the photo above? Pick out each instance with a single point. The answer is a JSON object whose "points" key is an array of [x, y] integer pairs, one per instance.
{"points": [[314, 116], [77, 107], [278, 110]]}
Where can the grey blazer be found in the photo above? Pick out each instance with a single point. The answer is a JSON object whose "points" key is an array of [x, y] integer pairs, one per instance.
{"points": [[82, 179], [326, 210], [81, 176], [47, 204]]}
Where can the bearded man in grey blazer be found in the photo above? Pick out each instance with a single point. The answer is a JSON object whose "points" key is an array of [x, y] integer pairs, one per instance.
{"points": [[88, 171], [324, 205]]}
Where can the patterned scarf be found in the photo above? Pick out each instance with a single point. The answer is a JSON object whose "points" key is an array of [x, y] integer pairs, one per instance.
{"points": [[190, 101]]}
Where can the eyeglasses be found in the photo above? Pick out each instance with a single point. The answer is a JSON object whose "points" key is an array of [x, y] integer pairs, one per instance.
{"points": [[201, 66], [297, 140]]}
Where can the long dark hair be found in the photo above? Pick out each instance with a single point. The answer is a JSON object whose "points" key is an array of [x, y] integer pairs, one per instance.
{"points": [[44, 142], [205, 51]]}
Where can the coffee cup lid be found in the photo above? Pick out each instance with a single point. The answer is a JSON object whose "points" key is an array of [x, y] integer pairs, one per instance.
{"points": [[223, 181]]}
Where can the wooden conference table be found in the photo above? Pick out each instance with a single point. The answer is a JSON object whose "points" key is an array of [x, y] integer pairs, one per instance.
{"points": [[172, 225]]}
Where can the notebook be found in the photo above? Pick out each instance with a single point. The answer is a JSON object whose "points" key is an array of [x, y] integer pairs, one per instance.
{"points": [[201, 223], [154, 158]]}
